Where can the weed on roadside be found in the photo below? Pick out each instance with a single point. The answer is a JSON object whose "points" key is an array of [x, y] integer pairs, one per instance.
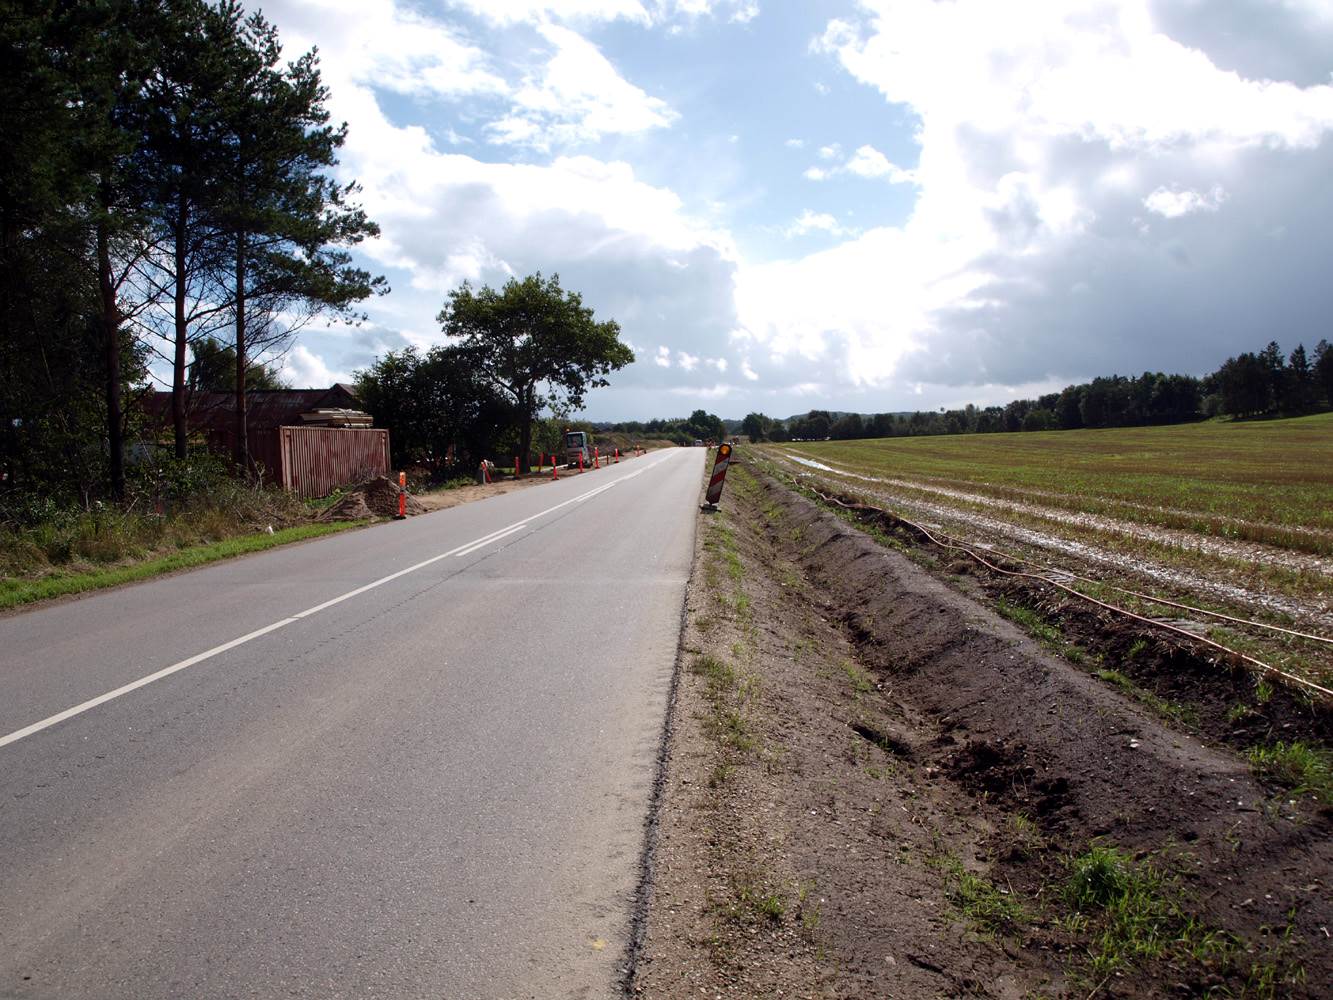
{"points": [[1186, 715], [1297, 766], [991, 910], [1029, 620], [860, 680]]}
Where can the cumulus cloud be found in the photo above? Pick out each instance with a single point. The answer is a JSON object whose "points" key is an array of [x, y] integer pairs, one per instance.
{"points": [[1099, 186], [1043, 140], [648, 12], [809, 222], [629, 247], [867, 162], [578, 95], [301, 367], [1173, 204]]}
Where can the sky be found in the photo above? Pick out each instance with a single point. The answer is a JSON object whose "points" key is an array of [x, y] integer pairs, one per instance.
{"points": [[869, 205]]}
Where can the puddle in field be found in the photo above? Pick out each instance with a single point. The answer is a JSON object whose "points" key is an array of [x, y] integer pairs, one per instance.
{"points": [[1302, 610], [1175, 537]]}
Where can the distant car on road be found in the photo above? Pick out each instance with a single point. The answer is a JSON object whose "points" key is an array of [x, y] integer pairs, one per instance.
{"points": [[698, 443]]}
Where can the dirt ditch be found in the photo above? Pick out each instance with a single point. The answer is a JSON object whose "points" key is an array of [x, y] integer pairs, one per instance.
{"points": [[879, 787]]}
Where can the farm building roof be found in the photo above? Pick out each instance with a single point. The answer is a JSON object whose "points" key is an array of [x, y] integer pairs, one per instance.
{"points": [[207, 410]]}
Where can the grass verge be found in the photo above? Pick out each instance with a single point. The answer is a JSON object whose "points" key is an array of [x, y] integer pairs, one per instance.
{"points": [[14, 592], [1131, 914], [1297, 765]]}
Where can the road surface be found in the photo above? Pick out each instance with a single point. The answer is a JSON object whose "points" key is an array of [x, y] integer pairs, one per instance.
{"points": [[422, 771]]}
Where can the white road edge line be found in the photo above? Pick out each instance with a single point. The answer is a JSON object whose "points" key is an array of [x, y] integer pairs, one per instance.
{"points": [[461, 550]]}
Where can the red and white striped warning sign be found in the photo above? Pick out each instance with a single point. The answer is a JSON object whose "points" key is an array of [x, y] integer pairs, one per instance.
{"points": [[719, 473]]}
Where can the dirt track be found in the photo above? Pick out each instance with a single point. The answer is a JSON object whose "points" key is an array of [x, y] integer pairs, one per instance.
{"points": [[875, 786]]}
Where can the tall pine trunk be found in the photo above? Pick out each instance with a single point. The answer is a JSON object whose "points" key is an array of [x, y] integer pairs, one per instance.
{"points": [[111, 356], [242, 437], [181, 236]]}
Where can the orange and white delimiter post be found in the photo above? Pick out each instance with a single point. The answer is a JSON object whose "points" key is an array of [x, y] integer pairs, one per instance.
{"points": [[714, 493]]}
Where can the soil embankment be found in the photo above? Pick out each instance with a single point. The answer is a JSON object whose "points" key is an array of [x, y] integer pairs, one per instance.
{"points": [[879, 787]]}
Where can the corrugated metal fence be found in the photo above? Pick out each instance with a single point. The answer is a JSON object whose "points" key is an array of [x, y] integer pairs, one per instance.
{"points": [[313, 461]]}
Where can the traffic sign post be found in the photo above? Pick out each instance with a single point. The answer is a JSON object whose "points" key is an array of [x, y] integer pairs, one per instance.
{"points": [[714, 493]]}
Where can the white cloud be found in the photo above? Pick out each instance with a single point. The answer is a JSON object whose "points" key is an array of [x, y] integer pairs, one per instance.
{"points": [[745, 12], [513, 11], [302, 368], [651, 12], [377, 42], [577, 96], [713, 392], [1046, 142], [867, 162], [1042, 140], [815, 221], [1172, 204], [628, 246]]}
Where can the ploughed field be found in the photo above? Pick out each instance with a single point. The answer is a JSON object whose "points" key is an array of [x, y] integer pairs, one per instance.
{"points": [[1221, 516]]}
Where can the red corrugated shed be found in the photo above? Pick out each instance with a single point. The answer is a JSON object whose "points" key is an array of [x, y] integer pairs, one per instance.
{"points": [[309, 461]]}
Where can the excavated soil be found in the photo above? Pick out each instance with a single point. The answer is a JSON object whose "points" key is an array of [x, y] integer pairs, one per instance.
{"points": [[875, 745], [376, 497]]}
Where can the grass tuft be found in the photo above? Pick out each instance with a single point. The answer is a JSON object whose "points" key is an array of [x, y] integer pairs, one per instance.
{"points": [[1297, 765]]}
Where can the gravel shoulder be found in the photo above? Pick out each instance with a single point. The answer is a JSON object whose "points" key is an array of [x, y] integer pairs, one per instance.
{"points": [[876, 786]]}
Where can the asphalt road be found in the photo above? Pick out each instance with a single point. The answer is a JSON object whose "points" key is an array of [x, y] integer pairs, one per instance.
{"points": [[426, 775]]}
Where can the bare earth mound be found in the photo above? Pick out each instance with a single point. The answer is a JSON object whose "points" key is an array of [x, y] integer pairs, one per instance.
{"points": [[878, 787], [376, 497]]}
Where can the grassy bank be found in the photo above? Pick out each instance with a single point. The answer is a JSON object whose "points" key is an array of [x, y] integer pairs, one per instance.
{"points": [[16, 591]]}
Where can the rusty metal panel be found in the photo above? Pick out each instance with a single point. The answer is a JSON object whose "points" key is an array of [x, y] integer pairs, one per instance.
{"points": [[316, 460]]}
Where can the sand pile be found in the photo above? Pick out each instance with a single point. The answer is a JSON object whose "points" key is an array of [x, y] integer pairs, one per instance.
{"points": [[374, 498]]}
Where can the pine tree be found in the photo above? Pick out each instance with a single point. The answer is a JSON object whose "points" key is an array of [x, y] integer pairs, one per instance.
{"points": [[286, 222], [1300, 386]]}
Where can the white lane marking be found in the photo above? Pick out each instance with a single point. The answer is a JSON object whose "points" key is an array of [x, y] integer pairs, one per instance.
{"points": [[102, 699], [461, 550], [487, 541]]}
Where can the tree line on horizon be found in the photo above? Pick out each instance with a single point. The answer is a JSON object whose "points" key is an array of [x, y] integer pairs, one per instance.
{"points": [[166, 193], [1245, 386]]}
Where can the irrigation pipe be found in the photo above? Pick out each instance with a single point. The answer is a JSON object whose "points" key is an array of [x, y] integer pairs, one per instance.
{"points": [[1116, 609]]}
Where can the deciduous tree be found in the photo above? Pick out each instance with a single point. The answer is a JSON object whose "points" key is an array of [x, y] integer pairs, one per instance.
{"points": [[535, 343]]}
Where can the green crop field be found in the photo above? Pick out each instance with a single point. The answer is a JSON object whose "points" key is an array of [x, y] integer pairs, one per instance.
{"points": [[1230, 516], [1267, 474]]}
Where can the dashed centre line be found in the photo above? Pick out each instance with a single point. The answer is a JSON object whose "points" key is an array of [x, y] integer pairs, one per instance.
{"points": [[461, 550]]}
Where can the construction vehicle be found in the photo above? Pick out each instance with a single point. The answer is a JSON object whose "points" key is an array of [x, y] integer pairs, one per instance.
{"points": [[578, 445]]}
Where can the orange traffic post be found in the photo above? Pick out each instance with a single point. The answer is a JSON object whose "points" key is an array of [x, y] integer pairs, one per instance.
{"points": [[580, 461], [402, 496], [596, 458], [617, 456], [555, 468]]}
